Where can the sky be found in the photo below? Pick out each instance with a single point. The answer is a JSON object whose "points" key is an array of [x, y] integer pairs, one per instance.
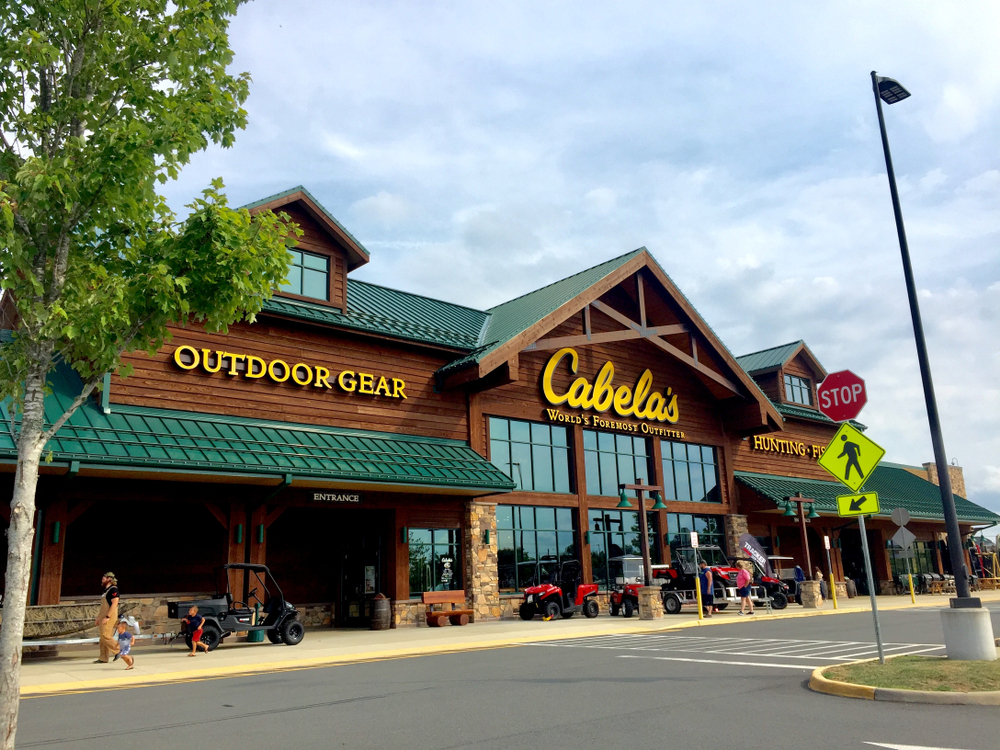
{"points": [[480, 151]]}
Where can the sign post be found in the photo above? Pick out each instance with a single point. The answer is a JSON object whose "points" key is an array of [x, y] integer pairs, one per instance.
{"points": [[857, 458]]}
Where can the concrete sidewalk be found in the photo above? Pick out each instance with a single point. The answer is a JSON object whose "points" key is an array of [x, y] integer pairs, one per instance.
{"points": [[76, 672]]}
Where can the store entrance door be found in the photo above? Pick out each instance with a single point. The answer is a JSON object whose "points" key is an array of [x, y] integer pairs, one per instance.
{"points": [[360, 552]]}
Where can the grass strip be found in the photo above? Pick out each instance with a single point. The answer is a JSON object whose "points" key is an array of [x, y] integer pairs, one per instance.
{"points": [[921, 673]]}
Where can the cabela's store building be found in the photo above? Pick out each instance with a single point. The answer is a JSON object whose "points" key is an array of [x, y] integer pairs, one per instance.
{"points": [[360, 440]]}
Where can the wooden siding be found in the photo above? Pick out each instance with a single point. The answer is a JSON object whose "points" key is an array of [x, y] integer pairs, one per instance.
{"points": [[158, 382], [771, 384], [786, 464]]}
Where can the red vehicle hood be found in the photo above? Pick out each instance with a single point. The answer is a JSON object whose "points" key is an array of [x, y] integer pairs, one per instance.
{"points": [[543, 588]]}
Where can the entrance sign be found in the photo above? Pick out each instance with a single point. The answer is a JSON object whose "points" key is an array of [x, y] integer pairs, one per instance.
{"points": [[752, 547], [842, 396], [640, 401], [851, 457], [337, 497], [858, 505]]}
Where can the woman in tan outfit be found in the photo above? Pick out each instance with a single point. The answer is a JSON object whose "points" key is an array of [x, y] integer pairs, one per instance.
{"points": [[107, 619]]}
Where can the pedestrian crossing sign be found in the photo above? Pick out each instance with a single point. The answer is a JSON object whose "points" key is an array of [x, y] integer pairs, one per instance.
{"points": [[858, 505], [851, 457]]}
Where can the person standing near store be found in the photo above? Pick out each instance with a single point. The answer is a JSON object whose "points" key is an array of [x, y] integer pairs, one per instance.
{"points": [[743, 580], [107, 619], [705, 580]]}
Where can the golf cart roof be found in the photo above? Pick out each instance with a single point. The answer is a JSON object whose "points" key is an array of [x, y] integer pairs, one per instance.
{"points": [[625, 557]]}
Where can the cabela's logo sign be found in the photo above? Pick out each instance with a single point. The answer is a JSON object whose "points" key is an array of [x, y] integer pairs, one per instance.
{"points": [[641, 401], [277, 370]]}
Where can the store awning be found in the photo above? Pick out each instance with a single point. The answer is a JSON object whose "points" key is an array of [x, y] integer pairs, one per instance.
{"points": [[896, 488], [150, 439]]}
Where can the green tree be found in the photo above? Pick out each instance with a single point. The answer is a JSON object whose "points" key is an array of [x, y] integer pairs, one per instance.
{"points": [[100, 101]]}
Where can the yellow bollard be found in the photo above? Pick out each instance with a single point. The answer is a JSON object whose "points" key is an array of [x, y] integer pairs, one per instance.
{"points": [[913, 599], [833, 591], [697, 595]]}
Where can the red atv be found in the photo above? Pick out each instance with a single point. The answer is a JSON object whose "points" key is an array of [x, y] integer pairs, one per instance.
{"points": [[561, 596], [623, 585]]}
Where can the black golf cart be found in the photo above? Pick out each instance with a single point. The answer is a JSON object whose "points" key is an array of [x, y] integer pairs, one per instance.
{"points": [[223, 616]]}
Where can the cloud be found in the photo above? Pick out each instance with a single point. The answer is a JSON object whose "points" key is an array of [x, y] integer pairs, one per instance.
{"points": [[601, 201], [383, 208]]}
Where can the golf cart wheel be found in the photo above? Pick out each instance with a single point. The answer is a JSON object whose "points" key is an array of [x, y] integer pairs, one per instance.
{"points": [[526, 611], [672, 604], [551, 610], [292, 632], [628, 608], [779, 600], [211, 636], [590, 608], [615, 609], [273, 636]]}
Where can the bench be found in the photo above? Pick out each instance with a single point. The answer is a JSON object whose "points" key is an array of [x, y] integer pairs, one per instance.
{"points": [[437, 618]]}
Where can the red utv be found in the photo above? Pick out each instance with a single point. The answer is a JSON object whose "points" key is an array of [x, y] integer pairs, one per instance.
{"points": [[682, 574], [624, 583], [561, 596]]}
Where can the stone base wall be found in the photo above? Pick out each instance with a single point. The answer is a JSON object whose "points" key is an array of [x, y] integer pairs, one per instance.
{"points": [[408, 614], [317, 615]]}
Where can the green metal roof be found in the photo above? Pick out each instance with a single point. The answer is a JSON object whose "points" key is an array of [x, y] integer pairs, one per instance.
{"points": [[320, 206], [511, 318], [776, 356], [158, 439], [804, 412], [896, 488], [378, 309]]}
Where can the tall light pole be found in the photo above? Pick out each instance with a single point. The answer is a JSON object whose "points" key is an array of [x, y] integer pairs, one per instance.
{"points": [[889, 91]]}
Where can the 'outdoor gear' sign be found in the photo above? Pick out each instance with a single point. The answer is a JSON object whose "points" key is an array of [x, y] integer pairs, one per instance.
{"points": [[639, 401], [237, 365]]}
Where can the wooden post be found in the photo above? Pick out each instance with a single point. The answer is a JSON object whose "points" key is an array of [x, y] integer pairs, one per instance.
{"points": [[53, 551], [236, 548]]}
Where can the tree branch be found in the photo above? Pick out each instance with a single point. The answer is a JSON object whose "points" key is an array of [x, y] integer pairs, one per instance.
{"points": [[88, 388]]}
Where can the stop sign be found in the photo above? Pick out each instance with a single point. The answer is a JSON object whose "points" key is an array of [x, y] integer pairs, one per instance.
{"points": [[842, 396]]}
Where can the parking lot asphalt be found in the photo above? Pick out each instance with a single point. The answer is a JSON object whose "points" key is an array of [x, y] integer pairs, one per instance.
{"points": [[729, 686]]}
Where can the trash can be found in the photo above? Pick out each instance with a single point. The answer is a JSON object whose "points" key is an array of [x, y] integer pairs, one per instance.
{"points": [[381, 613], [255, 636]]}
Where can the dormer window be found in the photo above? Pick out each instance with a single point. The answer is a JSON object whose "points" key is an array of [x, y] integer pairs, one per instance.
{"points": [[798, 390], [308, 276]]}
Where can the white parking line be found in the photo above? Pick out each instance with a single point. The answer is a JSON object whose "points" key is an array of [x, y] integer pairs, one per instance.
{"points": [[719, 661], [803, 650]]}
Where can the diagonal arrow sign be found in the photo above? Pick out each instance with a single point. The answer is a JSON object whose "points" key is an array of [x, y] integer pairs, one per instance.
{"points": [[858, 502]]}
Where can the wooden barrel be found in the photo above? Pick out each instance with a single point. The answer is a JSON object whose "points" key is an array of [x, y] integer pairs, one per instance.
{"points": [[381, 614]]}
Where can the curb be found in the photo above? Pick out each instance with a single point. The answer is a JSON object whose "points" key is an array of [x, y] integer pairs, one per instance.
{"points": [[820, 684]]}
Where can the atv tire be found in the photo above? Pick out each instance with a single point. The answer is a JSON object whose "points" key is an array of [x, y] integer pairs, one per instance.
{"points": [[526, 611], [292, 632], [779, 600], [211, 636], [551, 610], [615, 609], [590, 608], [671, 604], [628, 608]]}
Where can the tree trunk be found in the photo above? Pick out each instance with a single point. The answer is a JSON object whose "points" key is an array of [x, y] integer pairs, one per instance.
{"points": [[19, 539]]}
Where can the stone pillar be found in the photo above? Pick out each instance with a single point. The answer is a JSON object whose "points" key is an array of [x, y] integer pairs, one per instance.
{"points": [[482, 585], [954, 473], [811, 597], [650, 603], [736, 526]]}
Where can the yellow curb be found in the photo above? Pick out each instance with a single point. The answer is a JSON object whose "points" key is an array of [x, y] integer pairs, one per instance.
{"points": [[636, 627], [821, 684]]}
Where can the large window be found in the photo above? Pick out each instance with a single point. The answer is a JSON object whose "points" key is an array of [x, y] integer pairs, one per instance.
{"points": [[613, 460], [798, 390], [690, 473], [711, 530], [308, 275], [534, 455], [924, 559], [614, 533], [531, 542], [435, 560]]}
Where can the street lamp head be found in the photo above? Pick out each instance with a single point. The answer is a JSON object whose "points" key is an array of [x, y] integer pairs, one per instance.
{"points": [[891, 91]]}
